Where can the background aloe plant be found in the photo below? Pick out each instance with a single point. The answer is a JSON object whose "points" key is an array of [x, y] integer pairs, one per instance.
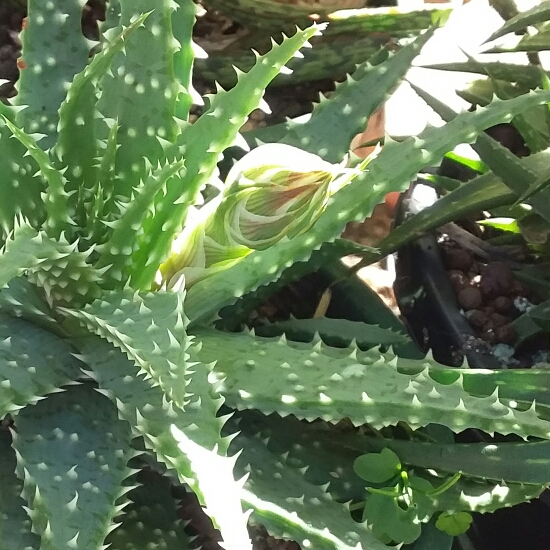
{"points": [[104, 379]]}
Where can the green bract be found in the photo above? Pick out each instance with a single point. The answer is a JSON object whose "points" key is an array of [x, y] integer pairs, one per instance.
{"points": [[104, 377]]}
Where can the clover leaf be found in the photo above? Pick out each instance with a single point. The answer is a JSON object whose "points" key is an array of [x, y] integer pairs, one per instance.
{"points": [[454, 524], [377, 467]]}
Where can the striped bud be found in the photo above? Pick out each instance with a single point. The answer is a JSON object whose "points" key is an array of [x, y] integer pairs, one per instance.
{"points": [[275, 192]]}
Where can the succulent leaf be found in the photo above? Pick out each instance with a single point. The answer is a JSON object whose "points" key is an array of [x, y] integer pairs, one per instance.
{"points": [[525, 75], [151, 519], [59, 216], [18, 180], [327, 449], [56, 441], [21, 252], [124, 318], [537, 14], [290, 506], [20, 298], [77, 145], [333, 124], [15, 525], [367, 387], [140, 90], [102, 206], [60, 270], [187, 442], [183, 19], [116, 253], [54, 50], [513, 171], [325, 455], [33, 363], [335, 332], [94, 365]]}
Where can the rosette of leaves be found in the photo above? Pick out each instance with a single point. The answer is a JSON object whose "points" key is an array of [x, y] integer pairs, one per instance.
{"points": [[101, 376]]}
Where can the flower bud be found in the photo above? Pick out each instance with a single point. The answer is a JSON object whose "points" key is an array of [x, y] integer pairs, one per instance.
{"points": [[275, 192]]}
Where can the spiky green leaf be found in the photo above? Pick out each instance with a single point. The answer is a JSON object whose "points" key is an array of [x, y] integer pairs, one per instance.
{"points": [[149, 329], [140, 90], [117, 252], [333, 124], [315, 381], [15, 525], [537, 14], [183, 19], [188, 443], [59, 216], [514, 172], [335, 332], [77, 144], [33, 363], [151, 519], [57, 442], [326, 454], [54, 50], [292, 508], [20, 298], [18, 180]]}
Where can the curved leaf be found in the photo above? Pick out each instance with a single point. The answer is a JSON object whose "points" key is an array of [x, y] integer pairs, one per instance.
{"points": [[335, 332], [149, 329], [33, 363], [383, 175], [203, 142], [60, 440], [188, 443], [315, 381], [15, 525], [151, 519], [537, 14]]}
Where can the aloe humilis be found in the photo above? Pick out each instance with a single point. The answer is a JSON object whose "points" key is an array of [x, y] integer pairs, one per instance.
{"points": [[104, 378]]}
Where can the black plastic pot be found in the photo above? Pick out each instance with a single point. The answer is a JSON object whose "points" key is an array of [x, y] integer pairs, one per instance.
{"points": [[426, 298], [434, 319]]}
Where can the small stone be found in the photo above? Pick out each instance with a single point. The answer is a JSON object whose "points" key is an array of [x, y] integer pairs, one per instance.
{"points": [[474, 269], [503, 304], [457, 258], [497, 279], [470, 298], [477, 318], [458, 280], [499, 320], [505, 334], [489, 336]]}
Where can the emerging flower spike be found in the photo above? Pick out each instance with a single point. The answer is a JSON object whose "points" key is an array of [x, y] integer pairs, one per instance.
{"points": [[275, 192]]}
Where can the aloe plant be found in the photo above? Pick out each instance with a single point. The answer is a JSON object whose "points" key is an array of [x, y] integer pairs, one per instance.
{"points": [[106, 372]]}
